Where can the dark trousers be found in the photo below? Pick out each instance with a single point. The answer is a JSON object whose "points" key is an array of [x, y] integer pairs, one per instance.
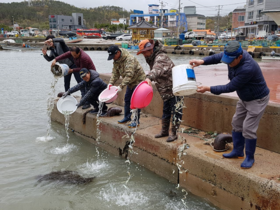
{"points": [[127, 98], [169, 109], [95, 103], [67, 80]]}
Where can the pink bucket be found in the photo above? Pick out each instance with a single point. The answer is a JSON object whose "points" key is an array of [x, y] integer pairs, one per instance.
{"points": [[142, 96], [108, 96]]}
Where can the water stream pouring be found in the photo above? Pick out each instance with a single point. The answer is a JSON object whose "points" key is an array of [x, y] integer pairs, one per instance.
{"points": [[184, 81], [60, 70]]}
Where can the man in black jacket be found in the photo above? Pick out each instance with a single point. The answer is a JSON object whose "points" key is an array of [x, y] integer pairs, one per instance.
{"points": [[58, 47], [94, 85]]}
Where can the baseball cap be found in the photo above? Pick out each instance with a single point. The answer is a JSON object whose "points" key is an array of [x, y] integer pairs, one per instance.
{"points": [[145, 45], [83, 72], [231, 51], [112, 50]]}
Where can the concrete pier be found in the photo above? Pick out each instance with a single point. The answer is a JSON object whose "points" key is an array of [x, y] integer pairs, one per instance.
{"points": [[203, 172]]}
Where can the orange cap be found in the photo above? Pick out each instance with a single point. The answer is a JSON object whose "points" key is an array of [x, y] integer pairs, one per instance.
{"points": [[142, 46]]}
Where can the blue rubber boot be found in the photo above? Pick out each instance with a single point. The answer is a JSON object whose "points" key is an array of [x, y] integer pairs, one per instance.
{"points": [[127, 114], [238, 146], [250, 149]]}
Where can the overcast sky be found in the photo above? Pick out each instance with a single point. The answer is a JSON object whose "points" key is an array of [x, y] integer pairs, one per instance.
{"points": [[208, 8]]}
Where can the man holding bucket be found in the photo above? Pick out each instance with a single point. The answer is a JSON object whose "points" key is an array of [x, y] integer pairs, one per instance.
{"points": [[161, 73], [81, 60], [57, 47], [94, 85], [128, 67], [247, 80]]}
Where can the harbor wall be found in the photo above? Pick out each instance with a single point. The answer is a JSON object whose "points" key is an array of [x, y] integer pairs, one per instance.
{"points": [[203, 172], [212, 113]]}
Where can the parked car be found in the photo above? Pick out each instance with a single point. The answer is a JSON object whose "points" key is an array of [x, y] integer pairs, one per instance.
{"points": [[12, 33], [272, 38], [125, 37], [190, 34], [24, 32], [67, 33], [112, 36], [33, 31]]}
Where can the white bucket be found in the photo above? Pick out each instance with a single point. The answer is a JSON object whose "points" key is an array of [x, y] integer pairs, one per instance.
{"points": [[60, 70], [66, 105], [184, 81]]}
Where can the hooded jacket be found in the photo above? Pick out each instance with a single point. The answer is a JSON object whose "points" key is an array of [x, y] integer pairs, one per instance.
{"points": [[161, 70], [59, 48], [246, 78], [128, 67], [93, 87]]}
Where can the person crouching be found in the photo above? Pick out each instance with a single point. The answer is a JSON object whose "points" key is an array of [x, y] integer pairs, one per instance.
{"points": [[161, 73], [94, 85]]}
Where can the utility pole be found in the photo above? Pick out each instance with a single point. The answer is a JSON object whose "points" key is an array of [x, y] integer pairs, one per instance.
{"points": [[219, 8], [179, 24], [161, 13]]}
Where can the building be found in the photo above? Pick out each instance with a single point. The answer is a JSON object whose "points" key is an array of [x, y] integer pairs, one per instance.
{"points": [[195, 21], [63, 22], [238, 19], [153, 8], [255, 20], [142, 30], [190, 10]]}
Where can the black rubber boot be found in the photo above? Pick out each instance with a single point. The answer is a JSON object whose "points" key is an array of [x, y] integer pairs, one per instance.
{"points": [[173, 135], [127, 114], [164, 129]]}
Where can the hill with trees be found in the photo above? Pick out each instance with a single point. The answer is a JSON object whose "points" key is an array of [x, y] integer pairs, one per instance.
{"points": [[37, 15]]}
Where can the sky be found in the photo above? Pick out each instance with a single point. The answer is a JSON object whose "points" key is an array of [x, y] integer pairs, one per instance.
{"points": [[207, 8]]}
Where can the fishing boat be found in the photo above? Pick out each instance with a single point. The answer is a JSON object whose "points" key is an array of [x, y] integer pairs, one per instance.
{"points": [[6, 46], [74, 39]]}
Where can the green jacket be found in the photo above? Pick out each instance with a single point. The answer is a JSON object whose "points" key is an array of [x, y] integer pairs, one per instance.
{"points": [[128, 67]]}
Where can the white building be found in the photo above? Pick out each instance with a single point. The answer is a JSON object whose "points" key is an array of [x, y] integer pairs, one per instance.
{"points": [[255, 21]]}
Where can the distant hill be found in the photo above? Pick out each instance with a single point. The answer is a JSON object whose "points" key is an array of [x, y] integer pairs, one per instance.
{"points": [[37, 15]]}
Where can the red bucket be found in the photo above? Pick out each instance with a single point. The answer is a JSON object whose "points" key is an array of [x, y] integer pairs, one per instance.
{"points": [[142, 96]]}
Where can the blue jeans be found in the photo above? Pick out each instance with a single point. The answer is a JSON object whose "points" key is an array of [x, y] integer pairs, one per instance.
{"points": [[169, 109], [127, 98]]}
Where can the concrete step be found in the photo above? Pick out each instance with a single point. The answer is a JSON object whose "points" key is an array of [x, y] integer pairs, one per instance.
{"points": [[203, 172]]}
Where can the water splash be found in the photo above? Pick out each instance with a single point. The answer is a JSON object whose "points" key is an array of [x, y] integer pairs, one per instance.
{"points": [[44, 139], [98, 121], [124, 197], [89, 168], [63, 150]]}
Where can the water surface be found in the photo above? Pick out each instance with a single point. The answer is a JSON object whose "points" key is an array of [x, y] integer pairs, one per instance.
{"points": [[26, 153]]}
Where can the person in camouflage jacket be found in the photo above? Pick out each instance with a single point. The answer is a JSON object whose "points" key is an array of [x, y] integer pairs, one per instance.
{"points": [[161, 73], [128, 67]]}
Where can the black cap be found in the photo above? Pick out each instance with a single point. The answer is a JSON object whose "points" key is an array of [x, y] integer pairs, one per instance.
{"points": [[112, 51], [83, 72]]}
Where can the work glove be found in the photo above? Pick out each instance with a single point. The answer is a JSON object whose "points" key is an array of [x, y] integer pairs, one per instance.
{"points": [[119, 89], [65, 94], [109, 86]]}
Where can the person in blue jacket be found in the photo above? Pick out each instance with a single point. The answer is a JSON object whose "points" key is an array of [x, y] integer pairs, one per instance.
{"points": [[94, 85], [247, 80]]}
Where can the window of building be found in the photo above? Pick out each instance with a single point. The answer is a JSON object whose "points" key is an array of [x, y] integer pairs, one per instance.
{"points": [[260, 1], [54, 25], [241, 18], [62, 20], [250, 15], [251, 2], [79, 20], [70, 20], [259, 14]]}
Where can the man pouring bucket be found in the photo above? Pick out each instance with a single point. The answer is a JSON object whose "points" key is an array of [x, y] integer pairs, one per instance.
{"points": [[247, 80]]}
